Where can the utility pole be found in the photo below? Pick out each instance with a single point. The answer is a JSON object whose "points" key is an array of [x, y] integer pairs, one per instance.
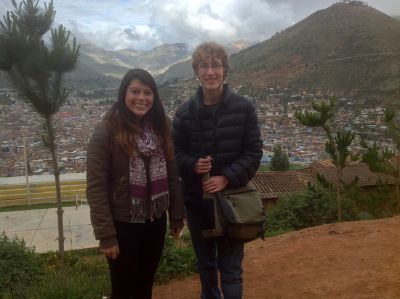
{"points": [[28, 191]]}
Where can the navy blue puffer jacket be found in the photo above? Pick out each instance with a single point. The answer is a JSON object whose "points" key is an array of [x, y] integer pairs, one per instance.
{"points": [[229, 133]]}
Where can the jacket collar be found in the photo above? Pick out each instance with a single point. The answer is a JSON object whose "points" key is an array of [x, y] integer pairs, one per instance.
{"points": [[198, 97]]}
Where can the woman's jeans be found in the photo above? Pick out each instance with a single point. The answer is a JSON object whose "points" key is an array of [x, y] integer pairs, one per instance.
{"points": [[213, 255], [132, 272]]}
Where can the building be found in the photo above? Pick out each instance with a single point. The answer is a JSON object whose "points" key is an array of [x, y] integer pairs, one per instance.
{"points": [[273, 185]]}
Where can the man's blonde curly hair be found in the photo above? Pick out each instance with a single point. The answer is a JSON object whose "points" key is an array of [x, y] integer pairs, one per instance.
{"points": [[209, 49]]}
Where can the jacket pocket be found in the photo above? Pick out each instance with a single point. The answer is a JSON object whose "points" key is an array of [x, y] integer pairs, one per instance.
{"points": [[120, 189]]}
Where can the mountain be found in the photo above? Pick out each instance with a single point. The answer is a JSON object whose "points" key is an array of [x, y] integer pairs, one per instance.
{"points": [[107, 63], [179, 71], [348, 48], [99, 68], [87, 77], [117, 63]]}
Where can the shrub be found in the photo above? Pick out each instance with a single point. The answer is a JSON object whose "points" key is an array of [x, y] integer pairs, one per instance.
{"points": [[72, 284], [84, 275], [378, 203], [26, 274], [20, 267], [301, 210]]}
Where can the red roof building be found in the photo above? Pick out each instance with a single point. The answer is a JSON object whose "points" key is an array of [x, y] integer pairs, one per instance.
{"points": [[275, 184]]}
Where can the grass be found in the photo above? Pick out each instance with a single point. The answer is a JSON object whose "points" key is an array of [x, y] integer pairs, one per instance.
{"points": [[274, 233], [264, 168], [85, 273]]}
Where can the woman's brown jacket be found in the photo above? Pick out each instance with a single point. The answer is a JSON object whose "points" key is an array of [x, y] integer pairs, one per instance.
{"points": [[108, 187]]}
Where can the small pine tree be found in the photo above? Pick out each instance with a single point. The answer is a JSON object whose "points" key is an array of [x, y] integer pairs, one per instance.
{"points": [[335, 146], [36, 71], [394, 131], [380, 159], [280, 160]]}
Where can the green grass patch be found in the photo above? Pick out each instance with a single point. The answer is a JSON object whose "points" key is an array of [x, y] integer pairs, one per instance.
{"points": [[265, 167], [177, 260], [274, 233], [85, 273]]}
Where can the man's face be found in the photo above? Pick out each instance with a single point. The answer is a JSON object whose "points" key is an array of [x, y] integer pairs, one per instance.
{"points": [[210, 72]]}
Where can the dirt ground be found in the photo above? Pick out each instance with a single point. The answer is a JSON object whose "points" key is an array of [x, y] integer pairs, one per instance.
{"points": [[347, 260]]}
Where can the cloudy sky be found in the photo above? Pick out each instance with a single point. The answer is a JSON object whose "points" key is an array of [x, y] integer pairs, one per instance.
{"points": [[142, 25]]}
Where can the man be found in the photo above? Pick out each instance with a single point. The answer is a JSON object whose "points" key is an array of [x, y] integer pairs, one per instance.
{"points": [[215, 132]]}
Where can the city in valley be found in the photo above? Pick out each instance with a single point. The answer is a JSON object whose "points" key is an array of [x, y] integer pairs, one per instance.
{"points": [[21, 126]]}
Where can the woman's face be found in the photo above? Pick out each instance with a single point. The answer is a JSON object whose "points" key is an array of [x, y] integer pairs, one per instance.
{"points": [[139, 98]]}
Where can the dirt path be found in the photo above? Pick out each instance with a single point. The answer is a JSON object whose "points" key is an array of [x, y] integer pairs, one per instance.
{"points": [[348, 260]]}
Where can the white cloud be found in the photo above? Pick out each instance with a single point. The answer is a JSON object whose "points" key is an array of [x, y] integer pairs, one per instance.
{"points": [[141, 25]]}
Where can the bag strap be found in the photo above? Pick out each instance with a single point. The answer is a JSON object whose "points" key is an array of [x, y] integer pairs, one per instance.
{"points": [[224, 208]]}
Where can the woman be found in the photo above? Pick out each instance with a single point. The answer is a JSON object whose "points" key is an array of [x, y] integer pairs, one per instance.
{"points": [[132, 180]]}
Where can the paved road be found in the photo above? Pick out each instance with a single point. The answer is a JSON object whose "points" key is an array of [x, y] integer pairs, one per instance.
{"points": [[39, 228]]}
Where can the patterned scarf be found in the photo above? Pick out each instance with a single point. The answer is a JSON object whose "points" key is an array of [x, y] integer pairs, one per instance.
{"points": [[148, 178]]}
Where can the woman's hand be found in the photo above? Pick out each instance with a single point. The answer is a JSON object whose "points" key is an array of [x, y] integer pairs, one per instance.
{"points": [[215, 184], [111, 252]]}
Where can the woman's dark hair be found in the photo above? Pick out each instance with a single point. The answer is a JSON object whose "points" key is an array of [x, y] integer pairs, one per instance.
{"points": [[124, 125]]}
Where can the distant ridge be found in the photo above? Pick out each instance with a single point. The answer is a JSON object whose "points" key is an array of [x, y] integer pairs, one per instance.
{"points": [[99, 68], [117, 63], [349, 48]]}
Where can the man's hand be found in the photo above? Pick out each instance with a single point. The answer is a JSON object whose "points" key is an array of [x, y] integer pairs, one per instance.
{"points": [[203, 165], [215, 184], [111, 252], [175, 232]]}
